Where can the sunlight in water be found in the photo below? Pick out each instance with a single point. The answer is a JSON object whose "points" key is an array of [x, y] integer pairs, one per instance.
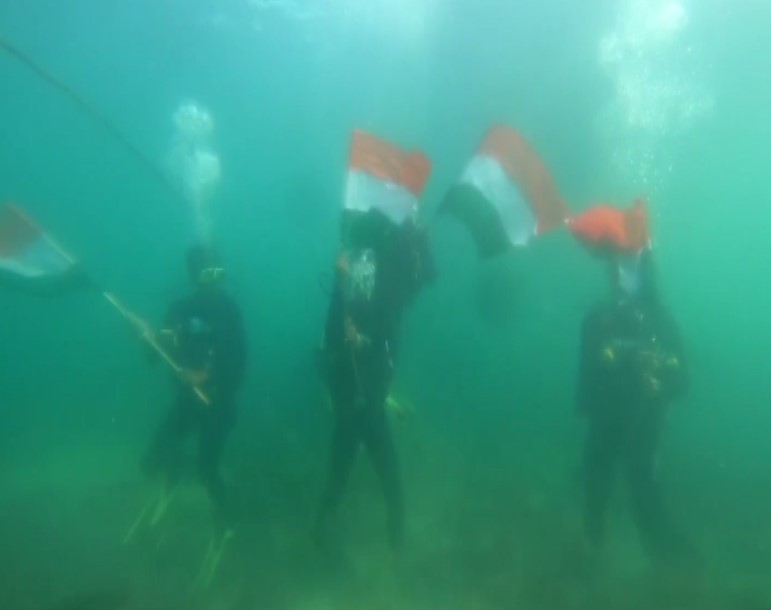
{"points": [[655, 77]]}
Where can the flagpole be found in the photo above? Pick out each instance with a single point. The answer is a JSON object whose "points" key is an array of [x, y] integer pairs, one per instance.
{"points": [[147, 335], [132, 318], [98, 118], [51, 241]]}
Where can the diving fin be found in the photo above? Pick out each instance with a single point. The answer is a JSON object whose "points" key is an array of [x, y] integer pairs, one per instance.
{"points": [[213, 557], [151, 514]]}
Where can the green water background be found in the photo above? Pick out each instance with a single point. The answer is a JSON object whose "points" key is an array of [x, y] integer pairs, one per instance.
{"points": [[286, 82]]}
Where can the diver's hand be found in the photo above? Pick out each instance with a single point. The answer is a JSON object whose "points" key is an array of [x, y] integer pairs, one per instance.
{"points": [[148, 339], [194, 378], [354, 337], [342, 265], [145, 331], [651, 385], [168, 338], [651, 361], [400, 409]]}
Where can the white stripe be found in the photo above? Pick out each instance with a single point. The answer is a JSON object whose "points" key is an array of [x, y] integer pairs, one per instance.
{"points": [[365, 192], [35, 260], [487, 175]]}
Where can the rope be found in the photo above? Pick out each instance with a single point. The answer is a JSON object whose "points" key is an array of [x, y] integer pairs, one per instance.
{"points": [[95, 115]]}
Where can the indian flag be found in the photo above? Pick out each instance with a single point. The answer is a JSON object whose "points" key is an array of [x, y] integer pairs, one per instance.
{"points": [[506, 195], [608, 230], [384, 177], [27, 254]]}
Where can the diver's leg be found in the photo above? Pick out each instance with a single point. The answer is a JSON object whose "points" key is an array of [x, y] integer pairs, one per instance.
{"points": [[382, 450], [599, 459], [345, 445], [657, 534], [215, 429], [162, 455]]}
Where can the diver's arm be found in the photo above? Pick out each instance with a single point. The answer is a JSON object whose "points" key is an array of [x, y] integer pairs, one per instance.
{"points": [[235, 351], [229, 365], [334, 329], [676, 375], [588, 367], [173, 316], [166, 337], [241, 352], [418, 269], [428, 271]]}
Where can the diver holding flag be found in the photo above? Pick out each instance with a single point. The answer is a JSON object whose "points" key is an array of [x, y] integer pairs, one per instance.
{"points": [[632, 368], [33, 262], [384, 262], [204, 332]]}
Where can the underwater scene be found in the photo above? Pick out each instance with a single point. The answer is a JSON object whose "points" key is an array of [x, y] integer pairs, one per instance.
{"points": [[385, 305]]}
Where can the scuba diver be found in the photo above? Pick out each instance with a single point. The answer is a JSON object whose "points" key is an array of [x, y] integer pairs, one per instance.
{"points": [[631, 369], [204, 333], [380, 270]]}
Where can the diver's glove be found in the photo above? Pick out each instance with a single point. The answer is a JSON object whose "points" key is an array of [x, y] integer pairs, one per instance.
{"points": [[656, 367], [354, 337]]}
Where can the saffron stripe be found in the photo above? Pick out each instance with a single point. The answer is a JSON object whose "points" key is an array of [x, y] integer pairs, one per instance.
{"points": [[389, 163]]}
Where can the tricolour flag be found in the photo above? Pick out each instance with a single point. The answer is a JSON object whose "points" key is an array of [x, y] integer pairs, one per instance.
{"points": [[28, 257], [383, 177], [506, 195], [607, 230]]}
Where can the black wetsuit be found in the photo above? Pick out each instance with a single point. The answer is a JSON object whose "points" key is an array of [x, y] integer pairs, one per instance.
{"points": [[359, 378], [631, 369], [208, 336]]}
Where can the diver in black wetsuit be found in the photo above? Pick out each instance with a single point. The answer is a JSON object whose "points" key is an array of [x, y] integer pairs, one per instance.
{"points": [[379, 272], [631, 369], [205, 335]]}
